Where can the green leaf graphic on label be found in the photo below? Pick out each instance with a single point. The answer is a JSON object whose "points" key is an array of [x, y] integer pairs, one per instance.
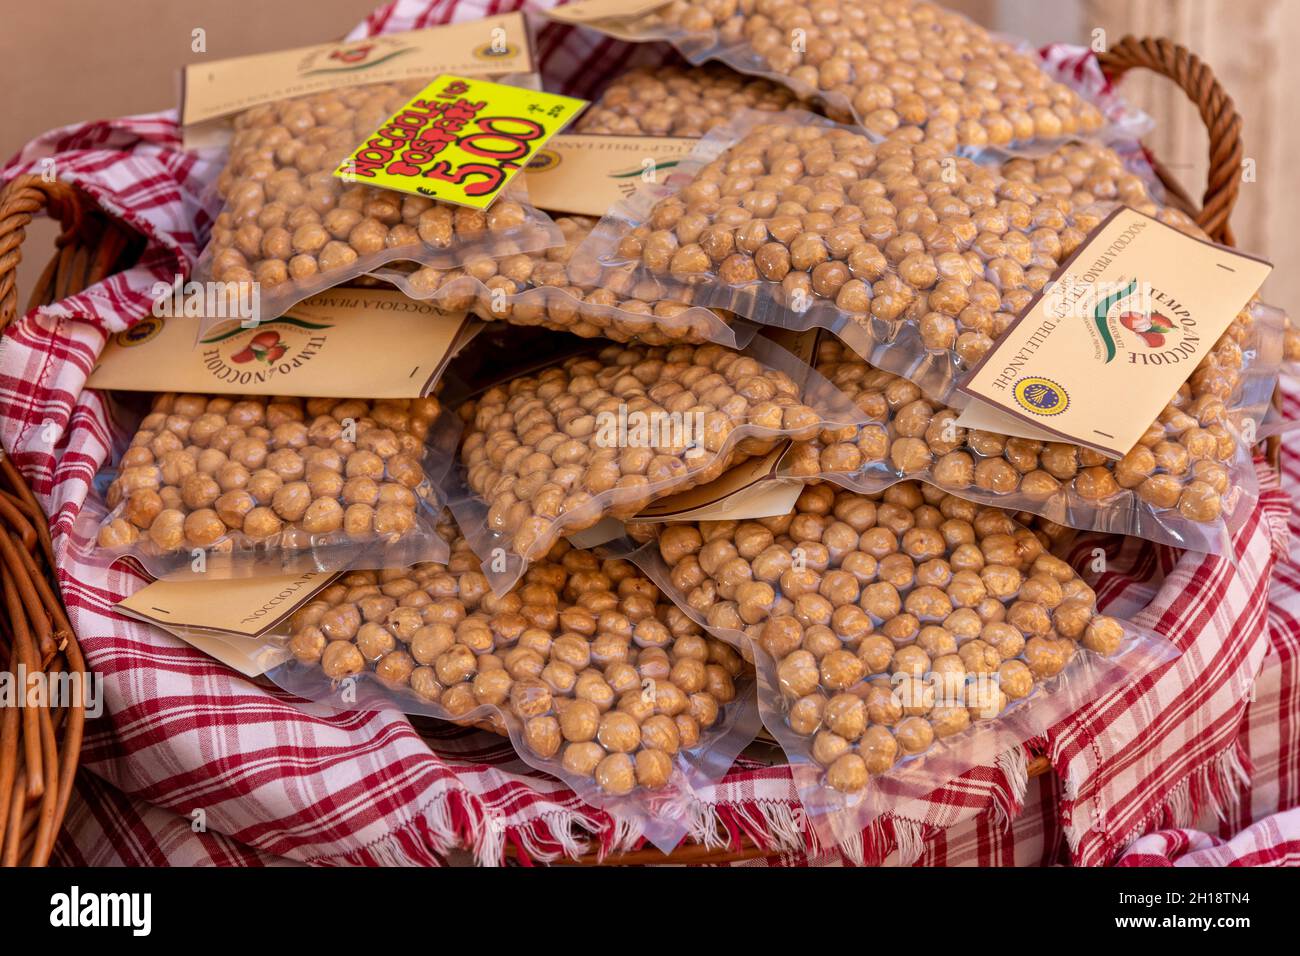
{"points": [[353, 68], [283, 320], [1099, 317], [631, 173]]}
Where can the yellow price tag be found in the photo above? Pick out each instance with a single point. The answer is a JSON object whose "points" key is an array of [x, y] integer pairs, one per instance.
{"points": [[459, 140]]}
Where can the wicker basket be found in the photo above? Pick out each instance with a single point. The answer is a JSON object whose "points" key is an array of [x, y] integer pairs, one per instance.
{"points": [[39, 748]]}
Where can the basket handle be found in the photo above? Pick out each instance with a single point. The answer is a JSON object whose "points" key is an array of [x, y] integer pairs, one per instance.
{"points": [[39, 747], [21, 200], [1219, 113]]}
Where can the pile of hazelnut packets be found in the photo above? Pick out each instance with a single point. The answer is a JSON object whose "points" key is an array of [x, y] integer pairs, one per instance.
{"points": [[761, 392]]}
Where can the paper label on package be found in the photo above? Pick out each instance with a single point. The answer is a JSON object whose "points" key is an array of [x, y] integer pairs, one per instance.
{"points": [[459, 140], [588, 11], [241, 607], [489, 47], [981, 416], [586, 174], [1100, 351], [251, 658], [379, 343]]}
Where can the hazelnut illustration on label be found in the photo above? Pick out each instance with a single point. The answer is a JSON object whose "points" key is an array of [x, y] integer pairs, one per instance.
{"points": [[253, 356], [264, 347]]}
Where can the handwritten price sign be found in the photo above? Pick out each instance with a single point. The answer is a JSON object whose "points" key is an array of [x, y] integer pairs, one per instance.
{"points": [[459, 140]]}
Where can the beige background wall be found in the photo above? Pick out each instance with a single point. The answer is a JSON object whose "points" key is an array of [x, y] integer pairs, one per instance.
{"points": [[1250, 44], [67, 60], [122, 58]]}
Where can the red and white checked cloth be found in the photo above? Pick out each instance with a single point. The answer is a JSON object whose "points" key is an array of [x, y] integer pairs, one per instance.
{"points": [[1274, 841], [1261, 825], [186, 742]]}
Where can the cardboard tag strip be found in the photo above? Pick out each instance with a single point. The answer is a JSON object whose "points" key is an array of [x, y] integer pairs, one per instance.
{"points": [[801, 343], [459, 140], [1100, 351], [378, 343], [250, 658], [215, 90], [751, 489], [241, 607], [585, 11], [586, 174], [609, 16], [981, 416], [230, 621]]}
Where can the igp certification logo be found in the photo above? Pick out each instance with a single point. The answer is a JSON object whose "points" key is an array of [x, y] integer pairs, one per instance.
{"points": [[1041, 396], [144, 330], [498, 49], [543, 160]]}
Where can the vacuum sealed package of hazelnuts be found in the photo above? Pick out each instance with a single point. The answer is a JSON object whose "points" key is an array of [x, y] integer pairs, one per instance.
{"points": [[233, 486], [1187, 482], [603, 434], [1291, 349], [900, 639], [882, 65], [254, 459], [593, 674], [313, 190]]}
